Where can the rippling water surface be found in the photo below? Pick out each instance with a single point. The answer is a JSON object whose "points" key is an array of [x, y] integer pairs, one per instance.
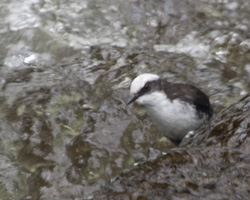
{"points": [[65, 70]]}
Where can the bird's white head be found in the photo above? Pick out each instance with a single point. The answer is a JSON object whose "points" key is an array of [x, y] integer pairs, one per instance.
{"points": [[139, 86], [139, 82]]}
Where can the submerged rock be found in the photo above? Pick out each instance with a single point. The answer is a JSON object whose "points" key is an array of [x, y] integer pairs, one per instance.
{"points": [[214, 164]]}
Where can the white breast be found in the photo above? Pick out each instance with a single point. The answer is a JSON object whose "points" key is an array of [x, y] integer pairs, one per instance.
{"points": [[173, 118]]}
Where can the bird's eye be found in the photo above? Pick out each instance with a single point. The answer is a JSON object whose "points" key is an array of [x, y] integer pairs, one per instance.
{"points": [[146, 86], [145, 89]]}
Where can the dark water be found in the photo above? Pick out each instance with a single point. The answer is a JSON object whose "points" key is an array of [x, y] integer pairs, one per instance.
{"points": [[65, 70]]}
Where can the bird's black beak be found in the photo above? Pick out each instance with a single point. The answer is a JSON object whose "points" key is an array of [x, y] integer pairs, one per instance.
{"points": [[132, 99]]}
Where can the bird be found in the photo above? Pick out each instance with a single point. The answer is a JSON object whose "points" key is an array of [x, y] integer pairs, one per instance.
{"points": [[176, 108]]}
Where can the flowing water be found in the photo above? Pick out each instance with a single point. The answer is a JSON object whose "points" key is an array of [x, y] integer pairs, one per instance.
{"points": [[65, 71]]}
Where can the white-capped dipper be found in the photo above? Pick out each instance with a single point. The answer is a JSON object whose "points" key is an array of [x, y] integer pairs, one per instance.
{"points": [[175, 108]]}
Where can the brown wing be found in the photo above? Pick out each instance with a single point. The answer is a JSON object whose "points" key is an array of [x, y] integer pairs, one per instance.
{"points": [[188, 93]]}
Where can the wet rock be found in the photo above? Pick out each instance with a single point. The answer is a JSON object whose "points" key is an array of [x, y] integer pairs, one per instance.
{"points": [[230, 129], [214, 164]]}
